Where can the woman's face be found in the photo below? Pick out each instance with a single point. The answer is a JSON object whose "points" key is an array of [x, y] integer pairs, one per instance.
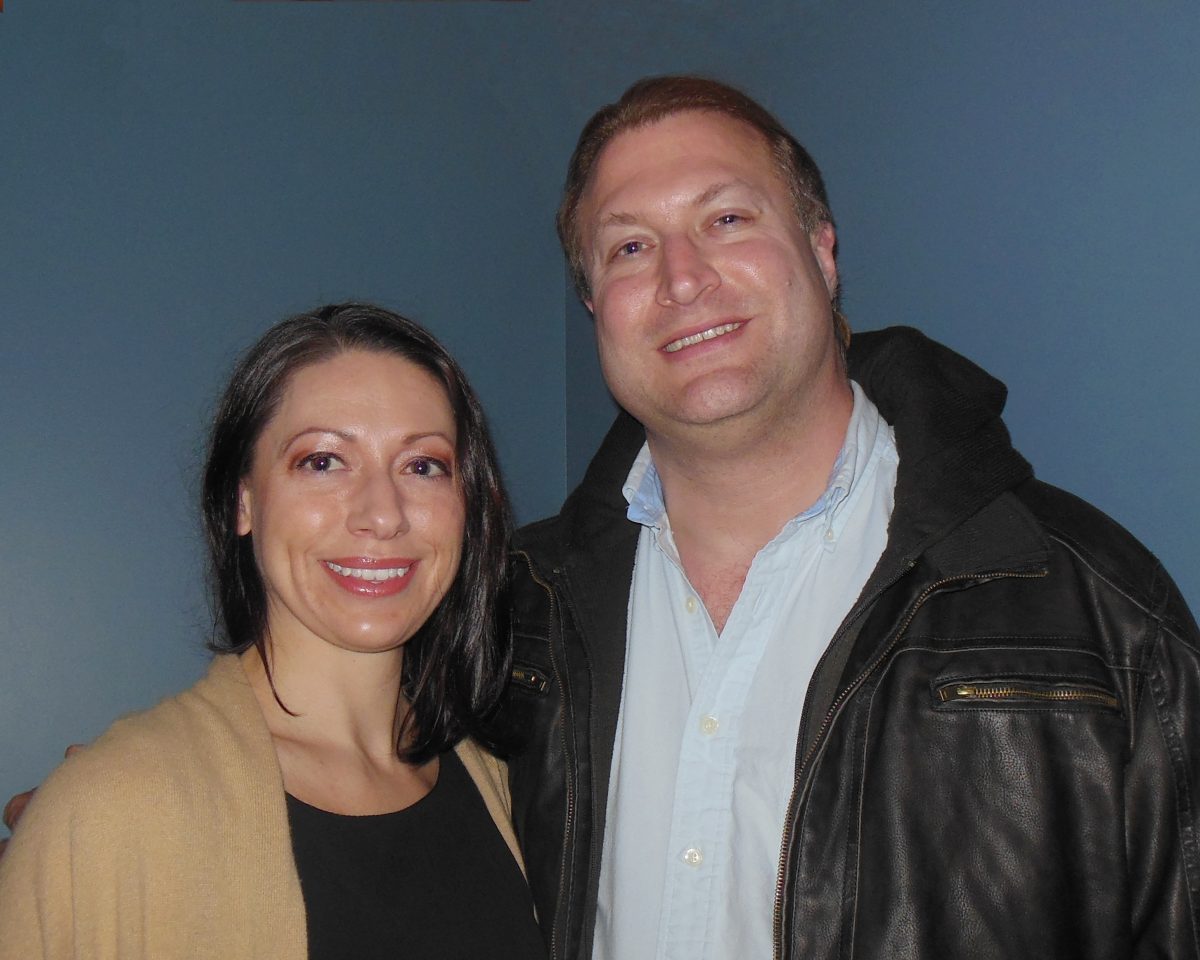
{"points": [[354, 504]]}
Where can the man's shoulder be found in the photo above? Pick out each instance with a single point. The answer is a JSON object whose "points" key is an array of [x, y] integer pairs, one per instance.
{"points": [[1105, 549], [1089, 532]]}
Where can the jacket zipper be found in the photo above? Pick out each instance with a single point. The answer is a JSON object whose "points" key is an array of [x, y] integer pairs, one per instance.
{"points": [[1000, 691], [570, 818], [831, 716]]}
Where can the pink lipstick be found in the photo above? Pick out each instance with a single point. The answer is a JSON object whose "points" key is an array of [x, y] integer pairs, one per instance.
{"points": [[370, 576]]}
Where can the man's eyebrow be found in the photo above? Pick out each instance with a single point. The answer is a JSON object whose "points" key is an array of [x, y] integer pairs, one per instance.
{"points": [[704, 197], [707, 195], [611, 220], [711, 194], [616, 220]]}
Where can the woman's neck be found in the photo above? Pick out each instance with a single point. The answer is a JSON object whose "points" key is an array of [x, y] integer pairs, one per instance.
{"points": [[335, 734]]}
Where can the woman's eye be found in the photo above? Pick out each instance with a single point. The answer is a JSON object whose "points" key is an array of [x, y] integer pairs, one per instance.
{"points": [[320, 463], [429, 467]]}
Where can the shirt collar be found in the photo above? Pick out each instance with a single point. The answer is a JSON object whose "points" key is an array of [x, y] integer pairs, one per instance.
{"points": [[643, 491], [644, 494]]}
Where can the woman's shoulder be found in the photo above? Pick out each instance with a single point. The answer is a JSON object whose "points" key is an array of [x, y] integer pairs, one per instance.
{"points": [[166, 756], [149, 829]]}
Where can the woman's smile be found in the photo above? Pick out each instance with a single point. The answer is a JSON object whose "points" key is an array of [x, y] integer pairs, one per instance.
{"points": [[372, 578]]}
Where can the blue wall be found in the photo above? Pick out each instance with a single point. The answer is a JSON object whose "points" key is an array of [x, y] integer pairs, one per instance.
{"points": [[1019, 182]]}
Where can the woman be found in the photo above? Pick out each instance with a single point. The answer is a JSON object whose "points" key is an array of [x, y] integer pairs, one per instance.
{"points": [[320, 792]]}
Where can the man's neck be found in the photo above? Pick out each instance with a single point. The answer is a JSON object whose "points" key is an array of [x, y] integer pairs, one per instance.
{"points": [[730, 490]]}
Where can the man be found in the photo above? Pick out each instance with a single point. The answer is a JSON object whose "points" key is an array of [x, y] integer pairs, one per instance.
{"points": [[810, 665]]}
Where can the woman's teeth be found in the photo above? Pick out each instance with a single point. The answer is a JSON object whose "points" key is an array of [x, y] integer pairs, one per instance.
{"points": [[359, 573]]}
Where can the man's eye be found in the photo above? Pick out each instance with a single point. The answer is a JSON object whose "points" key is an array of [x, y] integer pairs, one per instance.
{"points": [[727, 219], [320, 463], [429, 467], [628, 249]]}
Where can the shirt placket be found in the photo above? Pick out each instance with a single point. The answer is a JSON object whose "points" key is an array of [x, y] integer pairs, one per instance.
{"points": [[698, 853]]}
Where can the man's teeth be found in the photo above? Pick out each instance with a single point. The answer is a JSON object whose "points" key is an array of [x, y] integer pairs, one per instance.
{"points": [[710, 334], [358, 573]]}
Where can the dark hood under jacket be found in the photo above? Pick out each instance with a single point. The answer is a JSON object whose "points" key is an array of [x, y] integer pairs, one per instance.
{"points": [[998, 756]]}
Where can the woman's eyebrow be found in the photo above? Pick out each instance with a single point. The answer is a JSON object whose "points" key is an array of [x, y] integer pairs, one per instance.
{"points": [[343, 434], [349, 436]]}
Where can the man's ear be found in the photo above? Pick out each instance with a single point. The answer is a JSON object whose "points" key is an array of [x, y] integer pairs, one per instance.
{"points": [[824, 246], [244, 513], [590, 308]]}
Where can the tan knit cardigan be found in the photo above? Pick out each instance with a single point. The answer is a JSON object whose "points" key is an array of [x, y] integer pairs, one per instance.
{"points": [[167, 839]]}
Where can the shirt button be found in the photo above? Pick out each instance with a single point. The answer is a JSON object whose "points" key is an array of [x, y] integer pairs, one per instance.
{"points": [[829, 535], [709, 725], [693, 857], [690, 605]]}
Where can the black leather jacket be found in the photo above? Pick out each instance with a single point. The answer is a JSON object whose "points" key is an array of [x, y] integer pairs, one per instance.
{"points": [[998, 752]]}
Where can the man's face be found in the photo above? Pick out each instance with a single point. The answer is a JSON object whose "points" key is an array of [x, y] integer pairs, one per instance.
{"points": [[710, 300]]}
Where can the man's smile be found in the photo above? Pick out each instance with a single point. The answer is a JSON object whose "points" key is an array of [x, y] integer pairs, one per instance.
{"points": [[710, 334]]}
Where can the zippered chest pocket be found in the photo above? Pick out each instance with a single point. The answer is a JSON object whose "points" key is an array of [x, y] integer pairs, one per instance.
{"points": [[1031, 679], [1025, 692]]}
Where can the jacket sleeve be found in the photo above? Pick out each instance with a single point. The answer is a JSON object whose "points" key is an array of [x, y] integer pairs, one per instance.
{"points": [[1163, 786]]}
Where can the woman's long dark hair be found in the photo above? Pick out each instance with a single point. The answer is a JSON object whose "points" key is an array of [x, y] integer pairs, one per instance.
{"points": [[457, 663]]}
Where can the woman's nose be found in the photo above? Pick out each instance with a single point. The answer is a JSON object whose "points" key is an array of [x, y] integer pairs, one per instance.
{"points": [[378, 507]]}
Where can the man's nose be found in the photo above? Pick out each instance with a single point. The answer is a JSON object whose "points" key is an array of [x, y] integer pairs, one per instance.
{"points": [[378, 508], [685, 271]]}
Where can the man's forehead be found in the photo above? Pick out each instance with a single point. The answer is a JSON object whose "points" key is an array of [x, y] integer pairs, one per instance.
{"points": [[691, 156], [678, 142]]}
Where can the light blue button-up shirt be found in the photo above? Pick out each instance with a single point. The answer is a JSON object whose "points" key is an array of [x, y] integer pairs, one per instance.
{"points": [[704, 759]]}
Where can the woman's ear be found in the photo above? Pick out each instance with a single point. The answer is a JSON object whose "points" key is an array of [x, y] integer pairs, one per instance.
{"points": [[244, 513]]}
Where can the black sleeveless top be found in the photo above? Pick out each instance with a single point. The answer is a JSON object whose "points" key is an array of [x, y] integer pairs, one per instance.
{"points": [[435, 880]]}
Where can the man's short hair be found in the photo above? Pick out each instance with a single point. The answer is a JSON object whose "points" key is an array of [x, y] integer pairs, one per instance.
{"points": [[656, 98]]}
